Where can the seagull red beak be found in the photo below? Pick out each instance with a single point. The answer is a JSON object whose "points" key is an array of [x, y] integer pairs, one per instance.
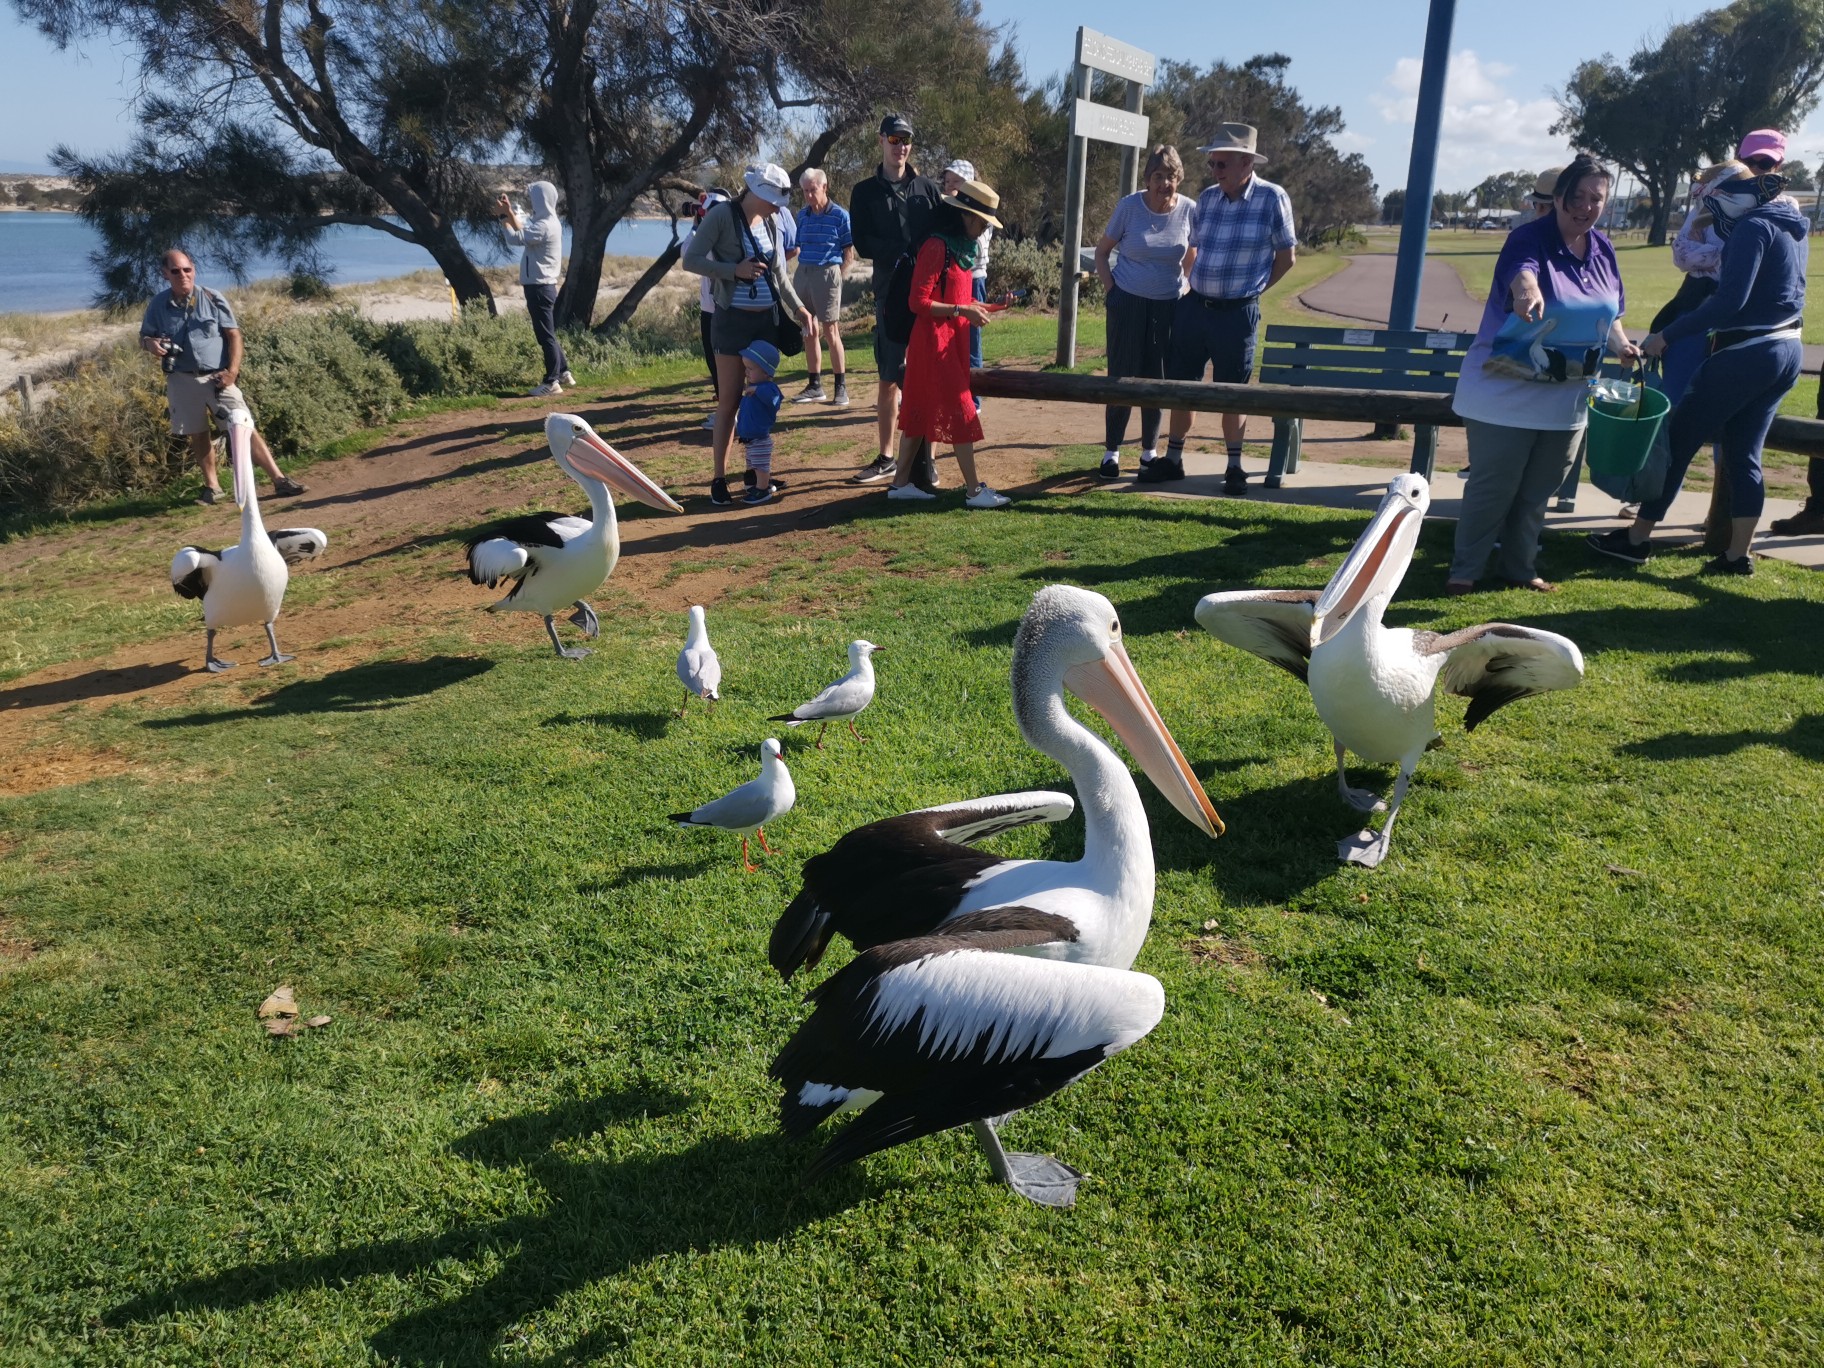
{"points": [[595, 458]]}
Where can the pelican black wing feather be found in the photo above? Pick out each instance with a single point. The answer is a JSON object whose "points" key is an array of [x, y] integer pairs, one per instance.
{"points": [[194, 585], [1496, 663], [530, 529]]}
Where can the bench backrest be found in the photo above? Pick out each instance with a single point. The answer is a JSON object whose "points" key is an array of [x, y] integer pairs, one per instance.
{"points": [[1364, 358]]}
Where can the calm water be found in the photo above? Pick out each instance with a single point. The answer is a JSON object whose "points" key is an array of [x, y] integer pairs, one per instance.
{"points": [[44, 258]]}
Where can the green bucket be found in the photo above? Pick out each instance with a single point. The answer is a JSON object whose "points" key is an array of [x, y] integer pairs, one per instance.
{"points": [[1620, 442]]}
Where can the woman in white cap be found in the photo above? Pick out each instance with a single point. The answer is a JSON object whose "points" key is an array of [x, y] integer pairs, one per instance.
{"points": [[937, 405], [742, 251]]}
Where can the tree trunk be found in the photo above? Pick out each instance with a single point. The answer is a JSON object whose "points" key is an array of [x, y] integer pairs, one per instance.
{"points": [[1659, 205], [583, 277], [651, 276]]}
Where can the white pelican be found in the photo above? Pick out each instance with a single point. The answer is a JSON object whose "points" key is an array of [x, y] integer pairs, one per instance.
{"points": [[698, 667], [845, 699], [244, 584], [555, 559], [945, 1030], [751, 806], [912, 875], [1374, 686]]}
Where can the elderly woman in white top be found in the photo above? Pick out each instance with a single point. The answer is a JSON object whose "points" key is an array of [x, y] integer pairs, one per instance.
{"points": [[1149, 233], [740, 247]]}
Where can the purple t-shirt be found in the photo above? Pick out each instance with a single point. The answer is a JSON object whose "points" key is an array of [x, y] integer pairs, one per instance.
{"points": [[1510, 374]]}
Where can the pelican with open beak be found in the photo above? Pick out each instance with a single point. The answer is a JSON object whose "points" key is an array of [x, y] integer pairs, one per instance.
{"points": [[555, 560], [916, 875], [1375, 687]]}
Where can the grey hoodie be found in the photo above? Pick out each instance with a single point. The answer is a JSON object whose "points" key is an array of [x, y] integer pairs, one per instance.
{"points": [[543, 236]]}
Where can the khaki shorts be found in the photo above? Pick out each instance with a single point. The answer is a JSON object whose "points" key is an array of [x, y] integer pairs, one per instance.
{"points": [[820, 287], [194, 397]]}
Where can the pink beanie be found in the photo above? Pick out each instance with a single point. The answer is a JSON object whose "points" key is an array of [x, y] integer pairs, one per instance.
{"points": [[1763, 142]]}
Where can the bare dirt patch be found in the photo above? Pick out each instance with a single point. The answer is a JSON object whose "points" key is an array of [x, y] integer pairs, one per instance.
{"points": [[56, 766], [1223, 951], [15, 946]]}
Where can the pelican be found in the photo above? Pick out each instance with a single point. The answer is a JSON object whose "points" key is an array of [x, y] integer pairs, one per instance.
{"points": [[843, 700], [698, 667], [751, 806], [555, 559], [1375, 686], [244, 584], [948, 1030], [914, 875]]}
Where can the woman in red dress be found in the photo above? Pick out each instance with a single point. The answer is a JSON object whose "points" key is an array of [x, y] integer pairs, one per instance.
{"points": [[936, 405]]}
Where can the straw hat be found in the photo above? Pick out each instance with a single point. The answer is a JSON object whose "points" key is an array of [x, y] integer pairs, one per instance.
{"points": [[1547, 182], [1237, 137], [975, 198]]}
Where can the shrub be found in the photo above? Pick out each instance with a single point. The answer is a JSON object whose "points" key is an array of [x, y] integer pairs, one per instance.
{"points": [[1025, 266], [477, 354], [315, 379]]}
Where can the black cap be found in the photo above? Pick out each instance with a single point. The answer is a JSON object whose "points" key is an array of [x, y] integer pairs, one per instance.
{"points": [[895, 123]]}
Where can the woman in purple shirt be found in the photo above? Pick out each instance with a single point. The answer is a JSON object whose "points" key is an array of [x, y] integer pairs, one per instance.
{"points": [[1555, 305]]}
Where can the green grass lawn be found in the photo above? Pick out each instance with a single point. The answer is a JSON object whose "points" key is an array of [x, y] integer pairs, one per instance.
{"points": [[1546, 1088]]}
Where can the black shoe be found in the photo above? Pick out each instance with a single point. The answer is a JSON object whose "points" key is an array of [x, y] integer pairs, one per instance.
{"points": [[811, 394], [1722, 565], [1161, 470], [1235, 483], [209, 496], [1807, 522], [1110, 468], [1616, 542], [718, 491], [287, 488]]}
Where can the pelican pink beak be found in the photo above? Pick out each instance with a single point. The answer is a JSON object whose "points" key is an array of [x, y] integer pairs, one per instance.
{"points": [[1378, 561], [240, 458], [1112, 687], [596, 459]]}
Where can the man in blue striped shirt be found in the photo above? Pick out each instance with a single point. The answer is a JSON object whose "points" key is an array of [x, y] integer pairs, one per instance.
{"points": [[826, 249], [1242, 244]]}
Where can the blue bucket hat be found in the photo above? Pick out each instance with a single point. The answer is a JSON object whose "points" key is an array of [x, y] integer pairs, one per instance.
{"points": [[763, 354]]}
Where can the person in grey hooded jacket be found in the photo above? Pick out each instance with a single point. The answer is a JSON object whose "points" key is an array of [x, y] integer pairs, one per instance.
{"points": [[540, 268]]}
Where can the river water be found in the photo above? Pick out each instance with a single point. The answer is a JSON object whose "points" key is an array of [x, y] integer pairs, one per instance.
{"points": [[44, 258]]}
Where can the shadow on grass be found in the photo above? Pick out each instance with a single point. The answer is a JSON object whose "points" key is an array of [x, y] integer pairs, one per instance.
{"points": [[597, 1220], [370, 687], [94, 684], [648, 726], [1804, 738]]}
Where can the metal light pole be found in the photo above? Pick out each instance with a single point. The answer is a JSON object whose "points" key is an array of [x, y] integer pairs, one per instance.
{"points": [[1422, 171]]}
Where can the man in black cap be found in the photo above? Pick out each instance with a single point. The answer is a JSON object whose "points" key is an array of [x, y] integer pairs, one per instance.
{"points": [[888, 212]]}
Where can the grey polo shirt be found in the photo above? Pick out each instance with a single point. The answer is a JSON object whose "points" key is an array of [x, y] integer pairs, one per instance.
{"points": [[195, 325]]}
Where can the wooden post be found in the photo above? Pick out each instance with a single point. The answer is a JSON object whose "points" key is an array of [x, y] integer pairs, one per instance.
{"points": [[25, 395], [1075, 172]]}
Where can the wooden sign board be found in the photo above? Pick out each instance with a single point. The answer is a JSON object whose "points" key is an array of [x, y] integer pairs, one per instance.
{"points": [[1105, 124], [1115, 57]]}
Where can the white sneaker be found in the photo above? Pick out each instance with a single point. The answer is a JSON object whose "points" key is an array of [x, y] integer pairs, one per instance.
{"points": [[567, 380], [910, 491], [546, 390], [984, 497]]}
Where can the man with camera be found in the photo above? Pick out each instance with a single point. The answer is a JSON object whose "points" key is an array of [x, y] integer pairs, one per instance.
{"points": [[192, 332]]}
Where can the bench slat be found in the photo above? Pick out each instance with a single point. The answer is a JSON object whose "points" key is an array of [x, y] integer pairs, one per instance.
{"points": [[1393, 363], [1357, 380], [1383, 337]]}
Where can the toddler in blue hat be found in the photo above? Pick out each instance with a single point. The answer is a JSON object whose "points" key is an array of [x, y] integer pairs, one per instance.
{"points": [[754, 420]]}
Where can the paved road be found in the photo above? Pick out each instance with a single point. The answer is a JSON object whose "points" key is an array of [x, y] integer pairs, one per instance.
{"points": [[1362, 290]]}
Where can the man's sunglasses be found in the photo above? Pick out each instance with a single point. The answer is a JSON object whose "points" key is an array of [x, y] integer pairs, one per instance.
{"points": [[899, 139], [1220, 163], [1761, 164]]}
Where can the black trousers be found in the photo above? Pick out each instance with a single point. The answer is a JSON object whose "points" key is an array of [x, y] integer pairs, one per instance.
{"points": [[1139, 340], [541, 303], [704, 323]]}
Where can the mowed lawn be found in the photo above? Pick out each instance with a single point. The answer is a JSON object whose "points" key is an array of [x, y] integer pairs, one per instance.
{"points": [[1545, 1088]]}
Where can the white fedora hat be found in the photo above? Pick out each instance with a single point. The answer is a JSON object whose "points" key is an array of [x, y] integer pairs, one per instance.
{"points": [[1236, 137]]}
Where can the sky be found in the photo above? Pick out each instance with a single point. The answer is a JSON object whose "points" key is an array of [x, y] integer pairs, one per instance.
{"points": [[1362, 57]]}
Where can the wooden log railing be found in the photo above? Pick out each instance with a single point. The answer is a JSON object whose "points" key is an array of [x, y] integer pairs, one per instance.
{"points": [[1802, 436]]}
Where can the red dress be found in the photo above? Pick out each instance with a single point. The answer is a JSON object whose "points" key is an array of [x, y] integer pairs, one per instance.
{"points": [[935, 401]]}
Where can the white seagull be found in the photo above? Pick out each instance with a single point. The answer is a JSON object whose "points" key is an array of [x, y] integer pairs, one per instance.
{"points": [[698, 667], [1375, 686], [556, 560], [915, 875], [944, 1031], [751, 806], [843, 700], [244, 584]]}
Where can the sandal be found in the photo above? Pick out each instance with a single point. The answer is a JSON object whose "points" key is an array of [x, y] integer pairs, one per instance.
{"points": [[1536, 584]]}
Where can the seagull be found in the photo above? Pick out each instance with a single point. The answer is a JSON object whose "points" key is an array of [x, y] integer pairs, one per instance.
{"points": [[843, 700], [244, 584], [1375, 686], [698, 667], [948, 1030], [916, 874], [553, 559], [751, 806]]}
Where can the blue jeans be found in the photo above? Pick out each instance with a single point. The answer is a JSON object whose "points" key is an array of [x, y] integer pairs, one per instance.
{"points": [[1733, 395], [978, 291], [541, 303]]}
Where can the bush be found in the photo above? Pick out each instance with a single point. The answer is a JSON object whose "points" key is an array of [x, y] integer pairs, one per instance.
{"points": [[314, 379], [1025, 266], [477, 354]]}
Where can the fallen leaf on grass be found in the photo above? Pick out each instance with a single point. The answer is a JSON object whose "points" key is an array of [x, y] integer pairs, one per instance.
{"points": [[1623, 870], [280, 1014], [317, 1021], [280, 1003]]}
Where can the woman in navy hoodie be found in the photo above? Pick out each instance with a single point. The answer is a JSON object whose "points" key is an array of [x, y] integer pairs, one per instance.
{"points": [[1753, 321]]}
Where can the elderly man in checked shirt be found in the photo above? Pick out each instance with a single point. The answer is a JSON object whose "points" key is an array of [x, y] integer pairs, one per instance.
{"points": [[1242, 244]]}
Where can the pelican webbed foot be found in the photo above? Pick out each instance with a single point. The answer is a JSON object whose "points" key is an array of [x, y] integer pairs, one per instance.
{"points": [[565, 652], [277, 657], [1358, 798], [1036, 1177], [1366, 848], [214, 663], [585, 618]]}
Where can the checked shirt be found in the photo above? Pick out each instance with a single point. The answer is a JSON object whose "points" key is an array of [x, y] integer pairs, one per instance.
{"points": [[1236, 239]]}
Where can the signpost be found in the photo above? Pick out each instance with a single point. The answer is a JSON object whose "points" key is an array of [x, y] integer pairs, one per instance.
{"points": [[1126, 127]]}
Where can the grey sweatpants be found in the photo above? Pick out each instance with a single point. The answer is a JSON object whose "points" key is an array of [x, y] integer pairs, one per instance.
{"points": [[1513, 473]]}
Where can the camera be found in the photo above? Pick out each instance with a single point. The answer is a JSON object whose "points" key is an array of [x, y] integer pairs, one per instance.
{"points": [[167, 362]]}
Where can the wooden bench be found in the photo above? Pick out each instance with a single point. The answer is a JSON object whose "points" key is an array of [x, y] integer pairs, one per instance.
{"points": [[1359, 358]]}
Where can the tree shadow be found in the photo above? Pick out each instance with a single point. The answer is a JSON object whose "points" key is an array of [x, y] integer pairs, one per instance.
{"points": [[597, 1220], [632, 874], [648, 726], [370, 687], [95, 684], [1276, 843], [1804, 738]]}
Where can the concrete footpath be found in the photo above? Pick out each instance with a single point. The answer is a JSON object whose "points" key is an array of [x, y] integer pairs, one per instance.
{"points": [[1326, 485]]}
